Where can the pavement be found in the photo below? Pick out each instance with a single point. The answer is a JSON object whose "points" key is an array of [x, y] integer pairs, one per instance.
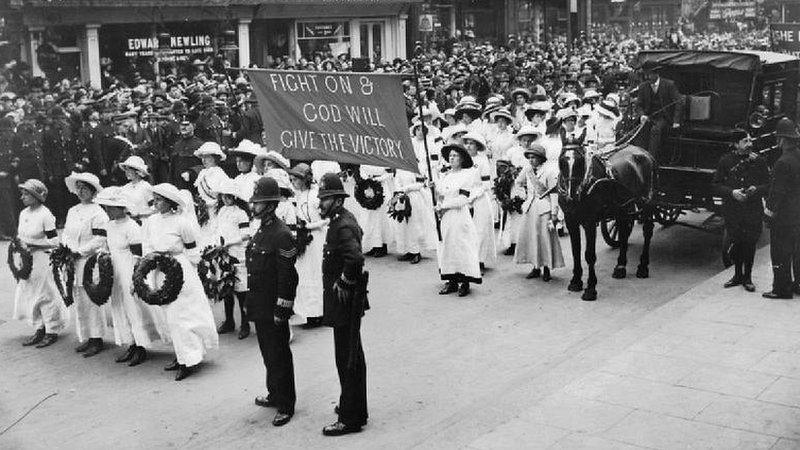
{"points": [[674, 361]]}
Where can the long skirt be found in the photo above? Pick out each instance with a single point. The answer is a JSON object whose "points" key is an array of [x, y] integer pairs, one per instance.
{"points": [[458, 252], [189, 318], [510, 231], [308, 299], [377, 227], [537, 243], [418, 232], [483, 217], [90, 319], [135, 322], [37, 300]]}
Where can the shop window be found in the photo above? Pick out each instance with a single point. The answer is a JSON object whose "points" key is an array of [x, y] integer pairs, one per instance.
{"points": [[323, 38]]}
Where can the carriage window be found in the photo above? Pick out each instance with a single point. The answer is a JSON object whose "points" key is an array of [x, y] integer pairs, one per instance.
{"points": [[777, 96]]}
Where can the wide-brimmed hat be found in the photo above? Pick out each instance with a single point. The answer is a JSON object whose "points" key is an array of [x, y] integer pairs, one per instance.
{"points": [[136, 163], [525, 92], [528, 130], [85, 177], [542, 105], [477, 137], [569, 97], [36, 188], [230, 187], [246, 148], [210, 148], [608, 109], [113, 196], [536, 150], [466, 159], [504, 113], [567, 113], [448, 132], [590, 94], [330, 185], [275, 157], [302, 171], [170, 193]]}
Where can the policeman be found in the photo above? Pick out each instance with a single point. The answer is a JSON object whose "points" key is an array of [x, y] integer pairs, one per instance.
{"points": [[742, 179], [272, 280], [343, 306], [783, 210]]}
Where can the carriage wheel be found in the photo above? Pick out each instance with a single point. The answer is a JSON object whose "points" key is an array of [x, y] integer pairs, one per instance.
{"points": [[610, 231], [667, 216]]}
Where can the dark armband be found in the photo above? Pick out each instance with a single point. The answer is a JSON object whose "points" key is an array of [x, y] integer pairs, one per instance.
{"points": [[98, 232], [136, 249]]}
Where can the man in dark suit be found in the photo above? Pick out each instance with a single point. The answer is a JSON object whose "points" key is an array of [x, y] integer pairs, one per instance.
{"points": [[342, 272], [783, 210], [661, 104]]}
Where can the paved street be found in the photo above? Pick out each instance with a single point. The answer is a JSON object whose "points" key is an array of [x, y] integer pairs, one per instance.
{"points": [[669, 362]]}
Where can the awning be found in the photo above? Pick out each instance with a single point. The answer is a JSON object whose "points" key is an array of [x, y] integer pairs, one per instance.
{"points": [[197, 3]]}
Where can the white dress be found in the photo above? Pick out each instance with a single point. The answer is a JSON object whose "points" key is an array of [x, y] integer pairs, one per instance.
{"points": [[510, 223], [208, 183], [84, 233], [36, 299], [139, 193], [418, 232], [377, 225], [308, 300], [135, 322], [483, 214], [189, 318], [537, 244], [458, 251], [233, 225]]}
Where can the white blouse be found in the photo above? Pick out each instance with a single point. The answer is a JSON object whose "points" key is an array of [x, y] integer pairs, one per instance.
{"points": [[37, 226]]}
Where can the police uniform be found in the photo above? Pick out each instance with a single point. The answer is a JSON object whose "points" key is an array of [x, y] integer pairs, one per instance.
{"points": [[342, 267], [742, 219], [784, 206], [272, 282]]}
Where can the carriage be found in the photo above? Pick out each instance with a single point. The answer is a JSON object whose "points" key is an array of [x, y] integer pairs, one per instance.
{"points": [[722, 91]]}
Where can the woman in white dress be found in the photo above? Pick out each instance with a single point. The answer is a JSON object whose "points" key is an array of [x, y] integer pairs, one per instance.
{"points": [[538, 242], [376, 224], [189, 317], [509, 227], [84, 233], [416, 233], [137, 190], [308, 301], [480, 199], [208, 182], [136, 323], [233, 232], [36, 299], [457, 255], [245, 154]]}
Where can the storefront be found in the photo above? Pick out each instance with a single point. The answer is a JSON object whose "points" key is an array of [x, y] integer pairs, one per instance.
{"points": [[92, 37]]}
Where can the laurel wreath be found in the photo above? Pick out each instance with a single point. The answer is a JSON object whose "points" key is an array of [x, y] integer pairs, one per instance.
{"points": [[369, 193], [304, 236], [173, 279], [200, 209], [62, 259], [217, 271], [400, 207], [18, 252], [503, 185], [98, 292]]}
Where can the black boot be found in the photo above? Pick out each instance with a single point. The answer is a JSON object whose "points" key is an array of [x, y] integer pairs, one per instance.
{"points": [[228, 325], [127, 355], [83, 347], [510, 250], [546, 274], [95, 346], [415, 258], [139, 356], [449, 288], [244, 330], [35, 339], [185, 372], [381, 252], [406, 257], [534, 273], [49, 339], [174, 365], [463, 290]]}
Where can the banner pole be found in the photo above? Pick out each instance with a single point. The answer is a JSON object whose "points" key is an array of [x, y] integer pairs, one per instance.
{"points": [[417, 50]]}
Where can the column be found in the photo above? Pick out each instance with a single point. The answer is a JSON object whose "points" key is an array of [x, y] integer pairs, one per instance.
{"points": [[244, 42], [92, 48], [294, 49], [537, 22], [355, 38], [453, 20], [387, 50], [32, 50], [588, 24], [401, 36]]}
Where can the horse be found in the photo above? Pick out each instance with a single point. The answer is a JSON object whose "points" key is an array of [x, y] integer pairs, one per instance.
{"points": [[590, 190]]}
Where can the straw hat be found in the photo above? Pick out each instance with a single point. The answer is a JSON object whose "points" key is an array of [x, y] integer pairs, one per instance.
{"points": [[528, 130], [89, 178], [113, 196], [567, 113], [210, 148], [473, 136], [230, 187], [246, 148], [135, 163], [170, 193], [465, 158], [536, 150], [36, 188], [275, 157], [504, 113]]}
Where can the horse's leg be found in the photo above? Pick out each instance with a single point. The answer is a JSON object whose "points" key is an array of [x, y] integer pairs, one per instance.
{"points": [[643, 271], [574, 229], [590, 294], [625, 226]]}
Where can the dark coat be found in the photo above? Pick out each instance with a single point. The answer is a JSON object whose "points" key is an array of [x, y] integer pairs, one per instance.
{"points": [[740, 172], [271, 273], [649, 102], [784, 193], [340, 255], [58, 150], [183, 160]]}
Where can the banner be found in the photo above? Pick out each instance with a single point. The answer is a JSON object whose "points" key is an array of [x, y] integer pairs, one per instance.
{"points": [[723, 11], [786, 37], [347, 117], [174, 48]]}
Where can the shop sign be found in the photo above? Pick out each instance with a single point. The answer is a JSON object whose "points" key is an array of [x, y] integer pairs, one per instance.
{"points": [[723, 11], [346, 117], [786, 37], [321, 30], [426, 22], [176, 48]]}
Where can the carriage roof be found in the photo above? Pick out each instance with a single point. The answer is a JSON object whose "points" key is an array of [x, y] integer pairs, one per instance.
{"points": [[741, 60]]}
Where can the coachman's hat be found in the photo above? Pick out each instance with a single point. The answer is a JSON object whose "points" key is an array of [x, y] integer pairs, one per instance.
{"points": [[330, 185], [267, 190]]}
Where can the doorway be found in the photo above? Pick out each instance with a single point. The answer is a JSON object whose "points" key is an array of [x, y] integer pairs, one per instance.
{"points": [[372, 41]]}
